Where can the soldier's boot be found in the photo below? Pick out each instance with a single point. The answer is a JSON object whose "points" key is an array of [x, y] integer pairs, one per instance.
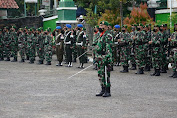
{"points": [[140, 71], [175, 75], [125, 69], [14, 60], [8, 59], [157, 72], [163, 70], [133, 67], [31, 61], [1, 59], [27, 58], [59, 64], [74, 60], [107, 92], [147, 68], [102, 91], [70, 64], [40, 62], [48, 63], [112, 67], [82, 66], [166, 67], [22, 60], [96, 67]]}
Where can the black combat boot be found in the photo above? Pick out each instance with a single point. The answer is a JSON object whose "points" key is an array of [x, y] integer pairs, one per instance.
{"points": [[82, 66], [107, 92], [59, 64], [147, 68], [125, 69], [27, 58], [22, 60], [14, 60], [163, 70], [8, 59], [157, 72], [48, 63], [112, 67], [102, 91], [175, 75], [133, 67], [174, 72], [31, 61], [140, 71], [1, 59]]}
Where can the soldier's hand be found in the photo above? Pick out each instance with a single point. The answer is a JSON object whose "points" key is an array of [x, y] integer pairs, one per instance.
{"points": [[169, 39], [119, 40], [39, 48], [150, 42], [134, 37], [83, 47]]}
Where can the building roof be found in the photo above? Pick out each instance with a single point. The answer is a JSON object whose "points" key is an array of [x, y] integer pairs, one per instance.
{"points": [[8, 4]]}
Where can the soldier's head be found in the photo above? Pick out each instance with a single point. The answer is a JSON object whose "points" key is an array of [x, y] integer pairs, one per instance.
{"points": [[58, 29], [68, 27], [161, 28], [134, 27], [140, 27], [116, 28], [20, 30], [124, 28], [103, 26], [96, 28], [30, 30], [156, 28], [5, 29], [13, 29], [175, 27], [80, 27], [165, 26], [146, 28]]}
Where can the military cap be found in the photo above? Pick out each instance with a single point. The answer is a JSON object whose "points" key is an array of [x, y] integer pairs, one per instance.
{"points": [[104, 23], [140, 24], [109, 24], [26, 27], [48, 29], [58, 27], [30, 29], [80, 25], [96, 26], [117, 26], [20, 29], [68, 26], [157, 26], [14, 27]]}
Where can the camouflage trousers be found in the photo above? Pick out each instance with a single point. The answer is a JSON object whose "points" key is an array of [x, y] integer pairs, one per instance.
{"points": [[1, 53], [59, 53], [14, 51], [124, 58], [48, 53], [164, 60], [7, 51], [80, 51], [156, 57], [40, 53], [116, 54], [32, 53], [22, 53], [140, 56], [173, 60], [104, 68]]}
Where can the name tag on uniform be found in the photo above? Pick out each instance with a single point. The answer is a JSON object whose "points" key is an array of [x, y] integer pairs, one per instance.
{"points": [[84, 36], [71, 36], [62, 37]]}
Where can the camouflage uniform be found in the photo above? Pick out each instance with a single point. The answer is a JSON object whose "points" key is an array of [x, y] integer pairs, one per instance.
{"points": [[157, 39], [40, 47], [116, 48], [7, 42], [104, 60], [14, 45], [31, 46], [124, 50], [48, 49], [173, 54], [140, 40], [1, 46], [21, 46]]}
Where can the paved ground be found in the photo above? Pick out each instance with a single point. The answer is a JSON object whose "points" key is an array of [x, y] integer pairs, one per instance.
{"points": [[39, 91]]}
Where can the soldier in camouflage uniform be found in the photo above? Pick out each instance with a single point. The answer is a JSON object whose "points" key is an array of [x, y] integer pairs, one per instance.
{"points": [[48, 47], [124, 49], [104, 59], [7, 42], [140, 40], [132, 47], [157, 39], [40, 46], [173, 54], [14, 43], [74, 49], [166, 35], [96, 35], [116, 46], [81, 45], [25, 31], [59, 41], [1, 46], [111, 31], [21, 44], [31, 46]]}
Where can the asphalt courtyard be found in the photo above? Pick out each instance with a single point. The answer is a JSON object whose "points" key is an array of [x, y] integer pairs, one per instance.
{"points": [[40, 91]]}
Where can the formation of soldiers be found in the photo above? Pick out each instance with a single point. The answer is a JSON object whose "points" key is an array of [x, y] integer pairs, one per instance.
{"points": [[31, 42], [143, 48]]}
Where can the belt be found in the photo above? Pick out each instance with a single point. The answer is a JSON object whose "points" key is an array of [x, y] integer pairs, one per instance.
{"points": [[79, 43], [116, 43], [58, 43], [68, 43]]}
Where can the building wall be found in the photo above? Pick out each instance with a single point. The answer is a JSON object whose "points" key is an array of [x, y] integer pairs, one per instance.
{"points": [[162, 17], [50, 23]]}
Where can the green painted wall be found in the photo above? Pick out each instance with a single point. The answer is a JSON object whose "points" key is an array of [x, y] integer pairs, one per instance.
{"points": [[50, 23], [162, 17], [67, 14]]}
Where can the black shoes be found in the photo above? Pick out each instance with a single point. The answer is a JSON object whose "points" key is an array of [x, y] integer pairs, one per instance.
{"points": [[105, 92], [156, 72], [22, 60], [133, 67], [48, 63], [174, 75], [147, 68], [140, 71], [14, 60], [125, 69]]}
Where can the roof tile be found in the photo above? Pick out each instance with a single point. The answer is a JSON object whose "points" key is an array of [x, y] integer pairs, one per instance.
{"points": [[8, 4]]}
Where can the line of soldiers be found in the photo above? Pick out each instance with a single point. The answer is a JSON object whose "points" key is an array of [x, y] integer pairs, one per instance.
{"points": [[71, 43], [143, 48]]}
